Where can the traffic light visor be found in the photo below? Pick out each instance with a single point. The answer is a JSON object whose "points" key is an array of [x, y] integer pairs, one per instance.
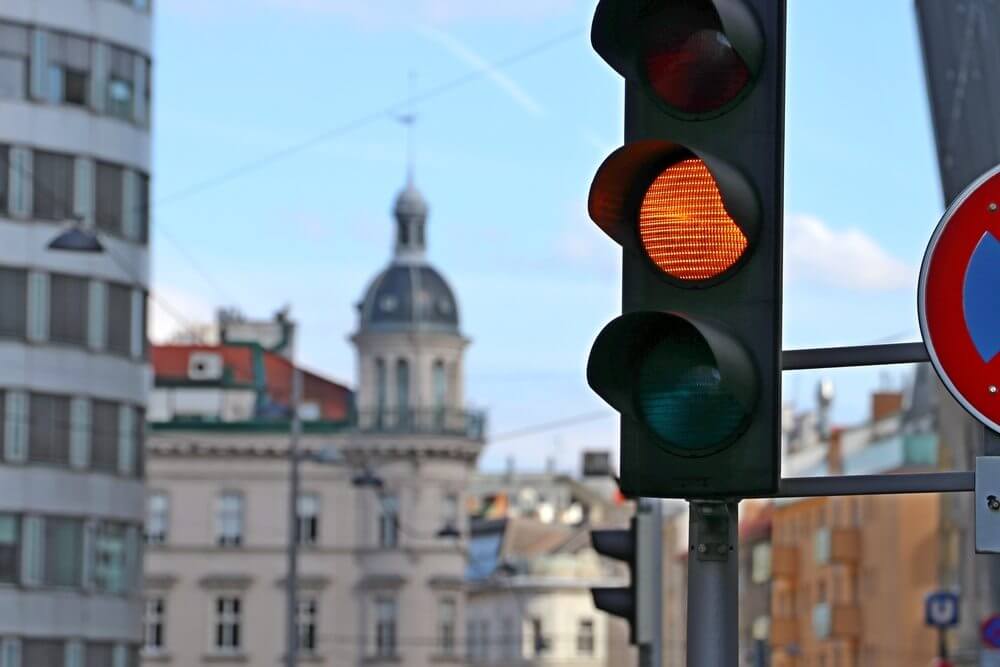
{"points": [[684, 226], [688, 58], [691, 385]]}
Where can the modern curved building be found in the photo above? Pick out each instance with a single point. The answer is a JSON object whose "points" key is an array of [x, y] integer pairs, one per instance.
{"points": [[74, 146]]}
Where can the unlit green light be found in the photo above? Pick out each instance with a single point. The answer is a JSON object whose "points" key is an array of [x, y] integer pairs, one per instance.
{"points": [[682, 397]]}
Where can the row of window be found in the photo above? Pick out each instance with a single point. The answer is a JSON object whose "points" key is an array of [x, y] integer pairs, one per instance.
{"points": [[230, 515], [72, 431], [64, 68], [73, 310], [228, 617], [36, 652], [535, 641], [439, 384], [47, 185], [63, 552]]}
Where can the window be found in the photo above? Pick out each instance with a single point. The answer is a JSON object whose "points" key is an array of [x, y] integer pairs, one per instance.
{"points": [[121, 84], [119, 316], [440, 383], [388, 523], [143, 205], [449, 510], [403, 389], [761, 563], [69, 69], [63, 551], [104, 436], [229, 519], [305, 621], [48, 429], [10, 549], [585, 637], [13, 296], [385, 627], [539, 644], [42, 652], [153, 622], [446, 626], [14, 50], [228, 615], [380, 389], [4, 169], [68, 309], [157, 517], [110, 560], [108, 207], [307, 530], [99, 654], [52, 186]]}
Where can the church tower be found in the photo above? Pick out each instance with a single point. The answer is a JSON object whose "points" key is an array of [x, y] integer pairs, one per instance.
{"points": [[409, 344]]}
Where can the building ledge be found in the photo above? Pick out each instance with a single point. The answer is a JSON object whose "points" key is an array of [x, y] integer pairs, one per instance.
{"points": [[225, 657]]}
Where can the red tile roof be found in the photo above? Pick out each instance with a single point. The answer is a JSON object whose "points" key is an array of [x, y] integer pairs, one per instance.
{"points": [[170, 362]]}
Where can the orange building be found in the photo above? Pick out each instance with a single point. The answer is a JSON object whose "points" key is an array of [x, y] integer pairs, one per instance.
{"points": [[850, 573]]}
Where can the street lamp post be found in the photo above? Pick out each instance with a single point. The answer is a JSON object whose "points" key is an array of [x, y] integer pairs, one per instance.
{"points": [[294, 481]]}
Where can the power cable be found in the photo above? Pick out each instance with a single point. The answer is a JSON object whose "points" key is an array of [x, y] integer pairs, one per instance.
{"points": [[552, 425], [361, 121]]}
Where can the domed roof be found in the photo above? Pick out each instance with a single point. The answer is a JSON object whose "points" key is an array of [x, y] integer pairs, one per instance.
{"points": [[409, 202], [408, 296]]}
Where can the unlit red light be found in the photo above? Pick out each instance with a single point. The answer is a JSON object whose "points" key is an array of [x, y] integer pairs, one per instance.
{"points": [[684, 226]]}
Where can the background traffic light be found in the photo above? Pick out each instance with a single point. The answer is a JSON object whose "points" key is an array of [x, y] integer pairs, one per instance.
{"points": [[694, 197]]}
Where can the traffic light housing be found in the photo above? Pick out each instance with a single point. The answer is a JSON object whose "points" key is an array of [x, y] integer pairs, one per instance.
{"points": [[694, 198], [637, 547]]}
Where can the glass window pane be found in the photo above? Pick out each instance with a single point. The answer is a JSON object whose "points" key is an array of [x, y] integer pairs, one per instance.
{"points": [[104, 436], [10, 550], [52, 188], [68, 299], [99, 654], [119, 319], [13, 77], [48, 429], [109, 558], [13, 302], [109, 198], [63, 551]]}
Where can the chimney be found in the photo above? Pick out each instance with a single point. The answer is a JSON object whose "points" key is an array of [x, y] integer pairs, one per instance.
{"points": [[834, 454], [885, 404]]}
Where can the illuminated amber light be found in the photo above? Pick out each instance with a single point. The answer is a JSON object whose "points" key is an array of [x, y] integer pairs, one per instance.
{"points": [[684, 226]]}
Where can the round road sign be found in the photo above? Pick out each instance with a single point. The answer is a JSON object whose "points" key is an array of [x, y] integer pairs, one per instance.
{"points": [[959, 299], [991, 631]]}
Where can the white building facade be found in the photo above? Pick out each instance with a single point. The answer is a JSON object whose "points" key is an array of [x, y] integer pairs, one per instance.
{"points": [[381, 569], [74, 145]]}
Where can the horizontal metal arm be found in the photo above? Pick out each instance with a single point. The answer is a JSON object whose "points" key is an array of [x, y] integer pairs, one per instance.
{"points": [[859, 355], [861, 485]]}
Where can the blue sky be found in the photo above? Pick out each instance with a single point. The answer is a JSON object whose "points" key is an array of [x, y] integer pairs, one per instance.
{"points": [[506, 162]]}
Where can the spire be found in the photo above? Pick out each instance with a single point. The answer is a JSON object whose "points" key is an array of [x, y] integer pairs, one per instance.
{"points": [[411, 208]]}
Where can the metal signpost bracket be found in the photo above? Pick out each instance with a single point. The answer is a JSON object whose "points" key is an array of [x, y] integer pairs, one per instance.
{"points": [[713, 584], [987, 504]]}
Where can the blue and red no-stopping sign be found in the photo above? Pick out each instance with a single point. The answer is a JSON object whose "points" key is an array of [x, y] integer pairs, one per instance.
{"points": [[959, 299]]}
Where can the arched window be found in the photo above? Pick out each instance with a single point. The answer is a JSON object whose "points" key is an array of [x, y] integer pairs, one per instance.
{"points": [[440, 383], [381, 393], [403, 389]]}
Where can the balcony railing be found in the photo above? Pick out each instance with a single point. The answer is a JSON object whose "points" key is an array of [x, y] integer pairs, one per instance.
{"points": [[424, 421]]}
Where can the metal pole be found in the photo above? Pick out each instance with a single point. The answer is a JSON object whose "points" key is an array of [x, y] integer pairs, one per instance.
{"points": [[713, 585], [859, 355], [292, 578], [650, 585]]}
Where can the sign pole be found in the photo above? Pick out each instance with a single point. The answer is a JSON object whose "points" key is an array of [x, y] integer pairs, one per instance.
{"points": [[713, 584]]}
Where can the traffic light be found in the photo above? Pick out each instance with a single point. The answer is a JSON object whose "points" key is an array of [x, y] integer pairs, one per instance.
{"points": [[636, 546], [694, 198]]}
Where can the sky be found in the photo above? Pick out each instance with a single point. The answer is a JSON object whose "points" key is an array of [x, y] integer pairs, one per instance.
{"points": [[278, 153]]}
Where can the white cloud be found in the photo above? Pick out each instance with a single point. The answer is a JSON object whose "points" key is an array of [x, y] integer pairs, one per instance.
{"points": [[172, 310], [817, 253], [470, 57]]}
